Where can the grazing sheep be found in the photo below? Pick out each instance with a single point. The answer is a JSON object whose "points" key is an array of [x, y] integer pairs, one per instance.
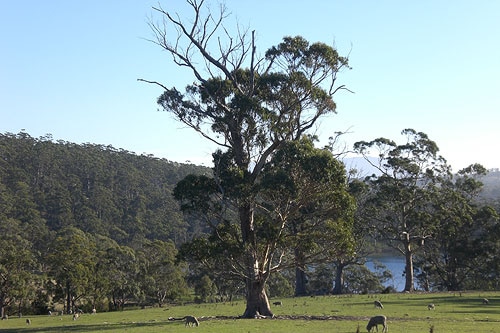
{"points": [[28, 321], [278, 303], [75, 316], [191, 321], [431, 306], [486, 301], [94, 311], [378, 304], [375, 321]]}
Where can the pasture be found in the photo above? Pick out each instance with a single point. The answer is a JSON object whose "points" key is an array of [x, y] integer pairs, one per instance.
{"points": [[453, 312]]}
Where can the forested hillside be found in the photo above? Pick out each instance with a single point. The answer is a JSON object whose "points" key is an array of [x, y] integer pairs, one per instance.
{"points": [[98, 189], [87, 226]]}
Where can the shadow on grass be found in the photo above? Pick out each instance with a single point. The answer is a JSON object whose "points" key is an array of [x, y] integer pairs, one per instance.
{"points": [[90, 328]]}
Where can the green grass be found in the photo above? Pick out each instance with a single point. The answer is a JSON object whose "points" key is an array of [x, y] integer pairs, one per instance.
{"points": [[454, 312]]}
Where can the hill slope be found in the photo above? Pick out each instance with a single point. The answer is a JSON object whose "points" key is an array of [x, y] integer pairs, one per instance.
{"points": [[99, 189]]}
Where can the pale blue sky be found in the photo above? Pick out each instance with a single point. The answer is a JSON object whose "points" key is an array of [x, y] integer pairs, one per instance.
{"points": [[70, 69]]}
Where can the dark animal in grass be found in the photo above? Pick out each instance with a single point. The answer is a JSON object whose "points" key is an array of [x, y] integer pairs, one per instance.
{"points": [[278, 303], [191, 321], [375, 321], [486, 301], [28, 321], [378, 304], [431, 306]]}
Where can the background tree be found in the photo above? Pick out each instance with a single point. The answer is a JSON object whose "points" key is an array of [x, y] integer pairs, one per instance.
{"points": [[360, 234], [360, 280], [250, 106], [123, 273], [402, 194], [162, 279], [17, 264], [456, 257], [73, 260], [205, 289], [305, 190]]}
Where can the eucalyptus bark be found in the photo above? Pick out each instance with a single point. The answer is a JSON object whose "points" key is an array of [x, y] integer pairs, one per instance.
{"points": [[409, 280], [300, 282], [256, 278], [339, 278]]}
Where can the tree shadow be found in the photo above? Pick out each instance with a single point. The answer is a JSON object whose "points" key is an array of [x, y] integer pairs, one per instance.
{"points": [[90, 328]]}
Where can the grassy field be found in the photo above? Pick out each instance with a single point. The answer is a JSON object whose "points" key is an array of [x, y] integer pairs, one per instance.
{"points": [[454, 312]]}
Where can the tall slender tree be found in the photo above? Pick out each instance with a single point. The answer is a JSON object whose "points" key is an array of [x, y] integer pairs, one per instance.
{"points": [[249, 106], [402, 192]]}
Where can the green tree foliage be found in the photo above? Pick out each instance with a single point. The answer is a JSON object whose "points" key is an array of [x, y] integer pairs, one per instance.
{"points": [[205, 289], [460, 254], [72, 260], [304, 190], [400, 206], [360, 233], [282, 284], [162, 278], [251, 107], [360, 280], [83, 211], [17, 264], [98, 189], [122, 273]]}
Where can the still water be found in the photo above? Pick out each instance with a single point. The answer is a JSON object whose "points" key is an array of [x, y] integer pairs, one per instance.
{"points": [[394, 264]]}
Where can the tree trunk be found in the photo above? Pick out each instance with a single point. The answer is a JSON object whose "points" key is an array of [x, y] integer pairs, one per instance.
{"points": [[408, 268], [300, 282], [257, 301], [300, 274], [339, 278], [68, 297]]}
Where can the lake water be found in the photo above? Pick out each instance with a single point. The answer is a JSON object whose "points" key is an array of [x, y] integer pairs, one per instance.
{"points": [[394, 264]]}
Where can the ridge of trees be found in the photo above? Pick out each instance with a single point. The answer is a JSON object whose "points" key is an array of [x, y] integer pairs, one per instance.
{"points": [[98, 189]]}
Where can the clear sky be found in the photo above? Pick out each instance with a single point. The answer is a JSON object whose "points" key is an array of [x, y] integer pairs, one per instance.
{"points": [[70, 69]]}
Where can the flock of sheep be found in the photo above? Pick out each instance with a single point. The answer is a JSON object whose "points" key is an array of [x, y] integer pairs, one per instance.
{"points": [[372, 323], [382, 320]]}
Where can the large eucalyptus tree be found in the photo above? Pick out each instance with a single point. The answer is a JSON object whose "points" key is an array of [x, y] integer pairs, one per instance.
{"points": [[250, 106], [403, 191]]}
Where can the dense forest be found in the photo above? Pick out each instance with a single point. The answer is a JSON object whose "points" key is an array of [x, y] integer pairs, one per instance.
{"points": [[59, 198], [85, 226], [98, 189]]}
